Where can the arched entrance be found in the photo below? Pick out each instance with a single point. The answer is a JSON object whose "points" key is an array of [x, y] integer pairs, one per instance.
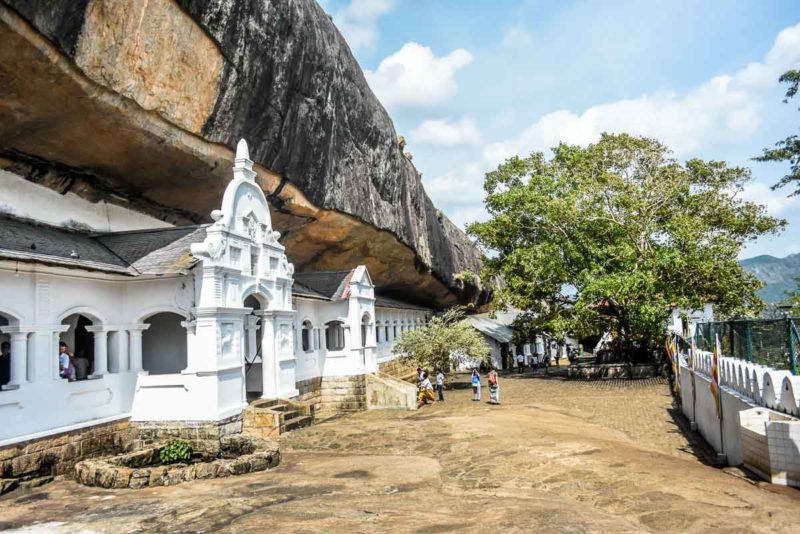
{"points": [[164, 347], [253, 338], [80, 343]]}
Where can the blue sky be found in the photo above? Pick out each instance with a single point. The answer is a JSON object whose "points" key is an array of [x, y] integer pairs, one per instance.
{"points": [[470, 82]]}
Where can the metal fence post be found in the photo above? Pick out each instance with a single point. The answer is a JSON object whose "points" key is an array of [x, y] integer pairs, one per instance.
{"points": [[748, 332], [792, 346]]}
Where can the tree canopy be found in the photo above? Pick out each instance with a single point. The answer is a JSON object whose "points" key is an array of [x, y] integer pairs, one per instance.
{"points": [[446, 341], [612, 235], [787, 149]]}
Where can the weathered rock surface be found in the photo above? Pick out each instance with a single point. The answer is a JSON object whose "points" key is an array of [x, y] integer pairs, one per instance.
{"points": [[142, 103]]}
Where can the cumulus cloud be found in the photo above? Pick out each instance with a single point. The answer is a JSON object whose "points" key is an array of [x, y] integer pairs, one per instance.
{"points": [[415, 76], [358, 21], [776, 202], [443, 132], [723, 109]]}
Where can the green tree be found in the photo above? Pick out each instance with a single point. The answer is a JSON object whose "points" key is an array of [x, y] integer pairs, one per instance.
{"points": [[446, 341], [793, 300], [789, 148], [611, 235]]}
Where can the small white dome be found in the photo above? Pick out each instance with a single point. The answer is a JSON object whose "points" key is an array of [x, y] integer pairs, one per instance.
{"points": [[242, 152]]}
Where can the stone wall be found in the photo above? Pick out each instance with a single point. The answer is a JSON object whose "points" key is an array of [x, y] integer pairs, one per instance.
{"points": [[203, 435], [399, 368], [331, 395], [387, 393], [37, 461]]}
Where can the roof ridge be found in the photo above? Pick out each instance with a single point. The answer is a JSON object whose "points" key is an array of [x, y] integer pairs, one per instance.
{"points": [[149, 230]]}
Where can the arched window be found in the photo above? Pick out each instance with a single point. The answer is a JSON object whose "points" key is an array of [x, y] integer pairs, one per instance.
{"points": [[386, 331], [365, 330], [334, 335], [305, 336], [79, 345], [164, 344], [5, 352]]}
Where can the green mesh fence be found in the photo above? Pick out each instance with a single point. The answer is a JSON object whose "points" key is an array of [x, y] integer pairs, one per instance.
{"points": [[772, 342]]}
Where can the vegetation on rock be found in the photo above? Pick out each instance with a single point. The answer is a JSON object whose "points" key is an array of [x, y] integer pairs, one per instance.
{"points": [[176, 450], [610, 236], [445, 342]]}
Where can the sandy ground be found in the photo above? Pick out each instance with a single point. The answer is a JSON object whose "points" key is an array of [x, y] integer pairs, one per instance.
{"points": [[556, 456]]}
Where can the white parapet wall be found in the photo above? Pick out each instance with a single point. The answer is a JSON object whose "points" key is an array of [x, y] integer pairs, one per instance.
{"points": [[757, 423]]}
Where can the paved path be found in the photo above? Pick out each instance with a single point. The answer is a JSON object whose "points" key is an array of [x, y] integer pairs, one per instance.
{"points": [[556, 456]]}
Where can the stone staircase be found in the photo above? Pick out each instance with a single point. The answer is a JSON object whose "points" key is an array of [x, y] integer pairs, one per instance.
{"points": [[270, 418]]}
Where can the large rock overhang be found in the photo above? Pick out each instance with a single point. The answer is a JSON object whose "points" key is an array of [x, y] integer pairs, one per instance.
{"points": [[81, 111]]}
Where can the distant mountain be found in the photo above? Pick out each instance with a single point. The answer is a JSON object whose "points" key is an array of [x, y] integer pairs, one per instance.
{"points": [[778, 273]]}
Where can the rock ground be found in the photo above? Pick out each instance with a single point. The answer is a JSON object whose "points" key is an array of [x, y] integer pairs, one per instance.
{"points": [[556, 456]]}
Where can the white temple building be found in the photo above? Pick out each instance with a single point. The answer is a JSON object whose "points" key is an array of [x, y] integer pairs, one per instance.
{"points": [[176, 323]]}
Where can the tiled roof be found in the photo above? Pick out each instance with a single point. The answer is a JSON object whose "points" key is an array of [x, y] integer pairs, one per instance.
{"points": [[386, 302], [157, 251], [330, 284], [28, 241], [299, 290]]}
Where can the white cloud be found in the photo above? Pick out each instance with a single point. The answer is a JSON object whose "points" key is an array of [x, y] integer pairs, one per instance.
{"points": [[358, 21], [443, 132], [723, 109], [776, 202], [415, 76]]}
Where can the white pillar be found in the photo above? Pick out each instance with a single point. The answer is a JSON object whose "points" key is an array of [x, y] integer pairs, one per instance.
{"points": [[122, 351], [269, 359], [135, 346], [19, 358], [100, 350]]}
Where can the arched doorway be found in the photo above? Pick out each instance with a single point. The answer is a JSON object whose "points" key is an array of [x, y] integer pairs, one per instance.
{"points": [[5, 351], [164, 349], [80, 344]]}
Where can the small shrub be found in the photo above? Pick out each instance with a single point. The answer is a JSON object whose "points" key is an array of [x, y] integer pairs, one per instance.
{"points": [[176, 450]]}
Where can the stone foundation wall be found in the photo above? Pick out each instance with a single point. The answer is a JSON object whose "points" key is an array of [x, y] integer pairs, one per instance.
{"points": [[331, 395], [611, 371], [399, 368], [203, 435], [38, 461], [310, 392]]}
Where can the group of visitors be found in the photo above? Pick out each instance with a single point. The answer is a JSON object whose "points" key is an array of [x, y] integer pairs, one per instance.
{"points": [[425, 390], [494, 386]]}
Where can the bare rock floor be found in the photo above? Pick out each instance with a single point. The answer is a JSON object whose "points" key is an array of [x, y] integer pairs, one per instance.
{"points": [[556, 456]]}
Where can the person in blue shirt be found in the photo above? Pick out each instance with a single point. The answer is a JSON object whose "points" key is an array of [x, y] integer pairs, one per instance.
{"points": [[476, 385], [440, 384]]}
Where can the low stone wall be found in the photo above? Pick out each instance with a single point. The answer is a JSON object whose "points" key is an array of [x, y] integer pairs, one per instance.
{"points": [[38, 461], [310, 392], [331, 395], [204, 436], [605, 371], [136, 470], [399, 368], [388, 393]]}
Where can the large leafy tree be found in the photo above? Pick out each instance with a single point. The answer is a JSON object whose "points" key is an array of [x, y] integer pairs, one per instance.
{"points": [[789, 148], [612, 235], [446, 341]]}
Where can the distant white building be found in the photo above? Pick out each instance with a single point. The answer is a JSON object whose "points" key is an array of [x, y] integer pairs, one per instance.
{"points": [[177, 323]]}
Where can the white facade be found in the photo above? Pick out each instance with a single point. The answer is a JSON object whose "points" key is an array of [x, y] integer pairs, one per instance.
{"points": [[187, 345]]}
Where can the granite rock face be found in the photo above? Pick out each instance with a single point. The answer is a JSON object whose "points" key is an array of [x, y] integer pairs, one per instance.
{"points": [[146, 101]]}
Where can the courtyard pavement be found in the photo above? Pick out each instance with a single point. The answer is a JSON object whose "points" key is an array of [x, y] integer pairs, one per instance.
{"points": [[556, 456]]}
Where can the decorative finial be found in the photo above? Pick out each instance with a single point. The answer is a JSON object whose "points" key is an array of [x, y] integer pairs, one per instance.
{"points": [[242, 152]]}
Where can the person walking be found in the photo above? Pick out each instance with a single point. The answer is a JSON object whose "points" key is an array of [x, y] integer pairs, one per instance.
{"points": [[440, 384], [520, 362], [494, 387], [476, 385]]}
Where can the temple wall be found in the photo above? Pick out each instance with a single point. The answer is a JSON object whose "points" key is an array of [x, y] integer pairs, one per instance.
{"points": [[24, 199]]}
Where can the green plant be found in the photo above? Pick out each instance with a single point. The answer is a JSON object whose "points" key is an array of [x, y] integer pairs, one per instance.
{"points": [[176, 450], [445, 342]]}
